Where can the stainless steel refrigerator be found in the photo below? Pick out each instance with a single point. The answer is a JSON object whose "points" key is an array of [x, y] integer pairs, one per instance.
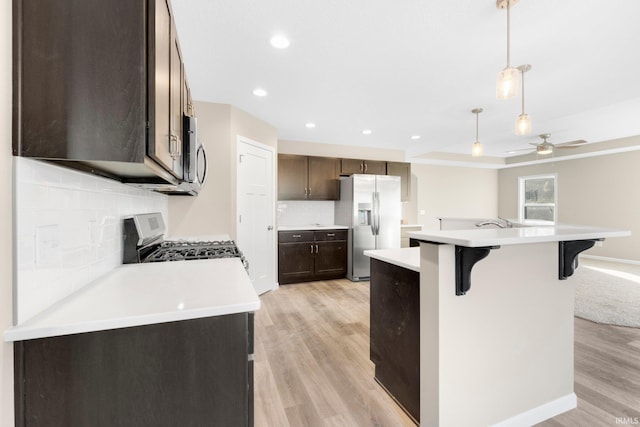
{"points": [[370, 206]]}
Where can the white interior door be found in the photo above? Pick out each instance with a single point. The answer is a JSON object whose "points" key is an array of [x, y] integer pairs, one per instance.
{"points": [[256, 207]]}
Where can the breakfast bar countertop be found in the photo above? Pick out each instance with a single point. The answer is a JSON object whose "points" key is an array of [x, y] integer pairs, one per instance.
{"points": [[517, 235]]}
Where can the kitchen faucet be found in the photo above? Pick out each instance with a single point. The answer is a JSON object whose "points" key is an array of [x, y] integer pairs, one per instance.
{"points": [[505, 224]]}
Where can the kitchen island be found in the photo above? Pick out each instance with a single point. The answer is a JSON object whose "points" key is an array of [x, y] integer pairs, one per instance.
{"points": [[496, 323], [395, 324], [158, 344]]}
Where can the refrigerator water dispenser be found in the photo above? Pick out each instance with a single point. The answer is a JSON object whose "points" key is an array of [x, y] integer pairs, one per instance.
{"points": [[364, 213]]}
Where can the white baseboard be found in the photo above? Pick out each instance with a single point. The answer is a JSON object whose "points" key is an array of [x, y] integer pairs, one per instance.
{"points": [[541, 413], [604, 258]]}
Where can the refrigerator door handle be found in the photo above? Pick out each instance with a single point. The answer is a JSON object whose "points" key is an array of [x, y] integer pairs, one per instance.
{"points": [[376, 214]]}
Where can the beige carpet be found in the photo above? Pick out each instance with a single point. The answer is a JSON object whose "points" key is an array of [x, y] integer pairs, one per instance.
{"points": [[607, 296]]}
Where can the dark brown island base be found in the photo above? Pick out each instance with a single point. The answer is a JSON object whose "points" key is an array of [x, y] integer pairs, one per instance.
{"points": [[395, 328]]}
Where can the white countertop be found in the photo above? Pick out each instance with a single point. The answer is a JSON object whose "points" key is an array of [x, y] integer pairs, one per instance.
{"points": [[518, 235], [143, 294], [410, 225], [408, 258], [311, 227]]}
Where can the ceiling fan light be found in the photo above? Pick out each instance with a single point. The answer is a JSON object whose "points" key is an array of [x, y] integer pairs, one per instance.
{"points": [[507, 83], [544, 149], [523, 124], [476, 149]]}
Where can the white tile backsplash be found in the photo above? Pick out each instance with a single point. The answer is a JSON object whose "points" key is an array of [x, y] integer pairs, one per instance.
{"points": [[68, 227], [302, 212]]}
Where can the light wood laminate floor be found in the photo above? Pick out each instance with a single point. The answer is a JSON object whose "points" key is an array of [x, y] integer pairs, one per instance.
{"points": [[312, 364]]}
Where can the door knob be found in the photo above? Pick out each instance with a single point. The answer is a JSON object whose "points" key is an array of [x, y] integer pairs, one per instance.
{"points": [[270, 227]]}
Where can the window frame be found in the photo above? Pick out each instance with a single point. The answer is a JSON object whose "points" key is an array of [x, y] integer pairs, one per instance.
{"points": [[522, 204]]}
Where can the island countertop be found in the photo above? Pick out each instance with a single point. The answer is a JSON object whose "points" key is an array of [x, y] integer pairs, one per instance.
{"points": [[143, 294], [408, 258], [517, 235]]}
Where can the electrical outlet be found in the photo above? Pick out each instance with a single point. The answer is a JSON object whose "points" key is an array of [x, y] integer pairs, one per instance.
{"points": [[47, 246], [598, 243], [423, 212]]}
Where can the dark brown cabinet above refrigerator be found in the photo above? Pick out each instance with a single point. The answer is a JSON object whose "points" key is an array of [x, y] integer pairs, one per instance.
{"points": [[372, 167], [100, 86]]}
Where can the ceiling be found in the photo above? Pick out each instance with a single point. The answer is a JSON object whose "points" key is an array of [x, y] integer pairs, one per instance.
{"points": [[418, 68]]}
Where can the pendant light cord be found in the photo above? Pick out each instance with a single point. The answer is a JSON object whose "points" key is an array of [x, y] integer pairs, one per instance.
{"points": [[523, 91], [508, 33], [477, 112]]}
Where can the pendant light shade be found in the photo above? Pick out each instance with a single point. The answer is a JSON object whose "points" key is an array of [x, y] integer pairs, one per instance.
{"points": [[523, 122], [507, 81], [476, 149]]}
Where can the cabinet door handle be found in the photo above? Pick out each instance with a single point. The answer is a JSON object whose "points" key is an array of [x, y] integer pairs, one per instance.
{"points": [[305, 191], [361, 166], [296, 236], [316, 248], [366, 166], [331, 234], [311, 248], [309, 193]]}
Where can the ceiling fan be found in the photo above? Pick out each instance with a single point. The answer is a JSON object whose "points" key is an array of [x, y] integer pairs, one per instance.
{"points": [[545, 147]]}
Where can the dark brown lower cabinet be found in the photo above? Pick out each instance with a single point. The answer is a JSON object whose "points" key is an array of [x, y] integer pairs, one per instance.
{"points": [[307, 255], [187, 373], [395, 332]]}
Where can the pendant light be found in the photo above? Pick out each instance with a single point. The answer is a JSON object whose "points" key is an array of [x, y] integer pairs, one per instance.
{"points": [[507, 81], [523, 122], [476, 149]]}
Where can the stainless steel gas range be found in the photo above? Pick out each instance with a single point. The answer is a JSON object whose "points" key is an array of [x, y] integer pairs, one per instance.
{"points": [[144, 242]]}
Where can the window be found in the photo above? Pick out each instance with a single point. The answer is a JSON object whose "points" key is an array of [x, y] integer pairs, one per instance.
{"points": [[538, 197]]}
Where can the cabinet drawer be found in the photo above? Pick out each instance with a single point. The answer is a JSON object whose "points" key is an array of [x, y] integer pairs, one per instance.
{"points": [[295, 236], [331, 235]]}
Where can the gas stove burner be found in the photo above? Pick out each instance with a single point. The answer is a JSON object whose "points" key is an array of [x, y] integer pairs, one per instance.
{"points": [[143, 242], [184, 250]]}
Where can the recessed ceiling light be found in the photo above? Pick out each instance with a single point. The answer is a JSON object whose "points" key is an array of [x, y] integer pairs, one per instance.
{"points": [[366, 132], [259, 92], [310, 125], [279, 41], [415, 137]]}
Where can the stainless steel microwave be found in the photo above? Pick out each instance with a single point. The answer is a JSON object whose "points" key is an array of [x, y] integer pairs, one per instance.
{"points": [[195, 157]]}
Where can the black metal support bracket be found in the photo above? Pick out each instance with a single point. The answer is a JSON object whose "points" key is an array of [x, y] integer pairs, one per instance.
{"points": [[466, 258], [568, 255]]}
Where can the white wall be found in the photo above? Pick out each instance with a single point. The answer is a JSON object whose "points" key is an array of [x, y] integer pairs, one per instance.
{"points": [[6, 204], [599, 191], [342, 151], [449, 191]]}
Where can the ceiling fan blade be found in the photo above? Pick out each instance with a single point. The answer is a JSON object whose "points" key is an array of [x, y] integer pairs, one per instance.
{"points": [[535, 144], [520, 149], [571, 143]]}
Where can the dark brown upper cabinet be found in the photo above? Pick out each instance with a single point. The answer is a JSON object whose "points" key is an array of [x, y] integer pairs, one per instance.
{"points": [[99, 86], [372, 167], [308, 177], [403, 170]]}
